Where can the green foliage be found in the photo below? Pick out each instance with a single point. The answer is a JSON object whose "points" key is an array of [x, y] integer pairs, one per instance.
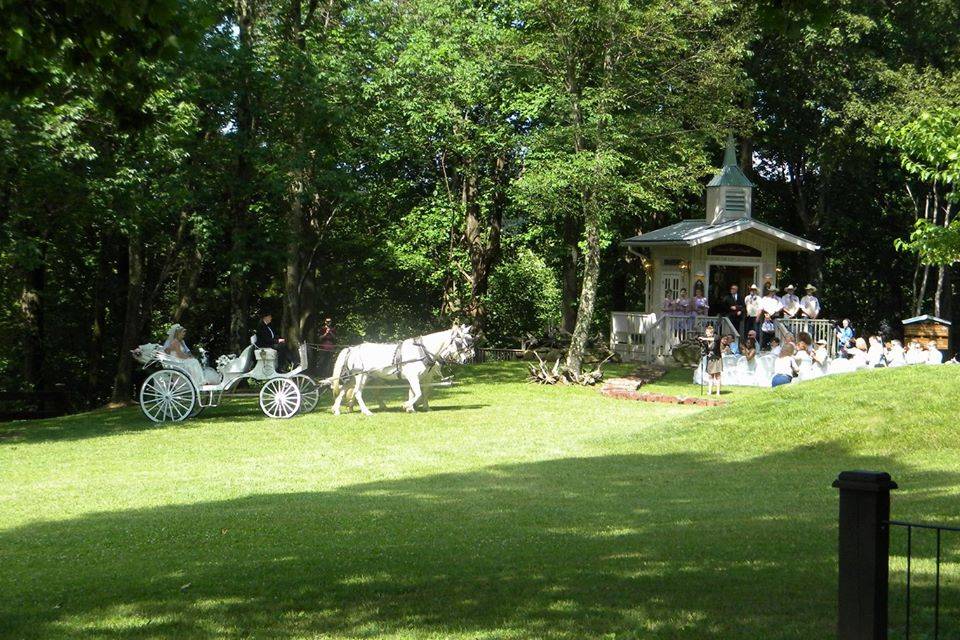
{"points": [[524, 298]]}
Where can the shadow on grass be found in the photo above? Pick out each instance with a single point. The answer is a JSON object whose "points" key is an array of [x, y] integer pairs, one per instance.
{"points": [[630, 546]]}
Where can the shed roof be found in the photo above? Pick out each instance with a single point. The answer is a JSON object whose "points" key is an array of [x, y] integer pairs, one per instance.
{"points": [[690, 233], [926, 318]]}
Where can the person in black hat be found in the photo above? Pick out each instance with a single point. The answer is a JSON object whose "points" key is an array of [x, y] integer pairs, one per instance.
{"points": [[267, 338]]}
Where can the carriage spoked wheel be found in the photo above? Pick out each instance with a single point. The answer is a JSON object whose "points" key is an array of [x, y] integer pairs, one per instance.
{"points": [[280, 398], [168, 396], [309, 393]]}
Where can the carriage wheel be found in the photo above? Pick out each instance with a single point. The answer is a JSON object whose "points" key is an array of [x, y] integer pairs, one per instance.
{"points": [[168, 396], [280, 398], [309, 393]]}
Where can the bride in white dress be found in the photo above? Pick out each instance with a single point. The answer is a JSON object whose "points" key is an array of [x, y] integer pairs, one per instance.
{"points": [[175, 346]]}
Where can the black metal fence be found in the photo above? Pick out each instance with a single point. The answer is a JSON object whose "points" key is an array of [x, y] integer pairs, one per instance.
{"points": [[864, 567]]}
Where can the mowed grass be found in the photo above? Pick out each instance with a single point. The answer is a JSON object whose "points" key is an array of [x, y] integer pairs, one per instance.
{"points": [[509, 511]]}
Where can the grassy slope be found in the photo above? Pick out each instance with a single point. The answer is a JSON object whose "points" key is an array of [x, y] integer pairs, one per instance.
{"points": [[510, 511]]}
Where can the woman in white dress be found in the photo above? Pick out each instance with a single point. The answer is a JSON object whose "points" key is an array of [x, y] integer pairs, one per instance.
{"points": [[804, 361], [177, 348], [858, 354]]}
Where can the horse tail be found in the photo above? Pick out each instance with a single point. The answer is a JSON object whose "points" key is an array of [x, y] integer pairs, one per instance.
{"points": [[338, 371]]}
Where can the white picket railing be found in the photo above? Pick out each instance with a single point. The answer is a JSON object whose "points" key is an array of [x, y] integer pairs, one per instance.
{"points": [[629, 334], [819, 329]]}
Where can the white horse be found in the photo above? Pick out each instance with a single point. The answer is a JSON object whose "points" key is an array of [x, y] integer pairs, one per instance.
{"points": [[409, 360]]}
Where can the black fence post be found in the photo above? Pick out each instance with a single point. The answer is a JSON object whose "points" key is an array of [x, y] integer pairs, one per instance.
{"points": [[863, 554]]}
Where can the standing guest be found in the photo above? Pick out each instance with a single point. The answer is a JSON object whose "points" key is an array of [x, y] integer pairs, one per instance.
{"points": [[701, 306], [895, 355], [810, 304], [752, 309], [875, 353], [268, 339], [326, 345], [767, 332], [933, 354], [790, 302], [770, 304], [682, 304], [785, 367], [714, 356], [733, 306], [844, 334]]}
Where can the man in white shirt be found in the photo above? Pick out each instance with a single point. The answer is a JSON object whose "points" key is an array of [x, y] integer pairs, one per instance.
{"points": [[810, 304], [771, 304], [752, 303], [790, 302]]}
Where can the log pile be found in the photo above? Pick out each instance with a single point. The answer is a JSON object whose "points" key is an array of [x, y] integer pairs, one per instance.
{"points": [[543, 373]]}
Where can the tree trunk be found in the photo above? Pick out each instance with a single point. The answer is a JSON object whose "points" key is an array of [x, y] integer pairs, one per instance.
{"points": [[240, 206], [571, 262], [187, 286], [483, 240], [588, 293], [294, 232], [131, 322], [31, 308], [97, 321]]}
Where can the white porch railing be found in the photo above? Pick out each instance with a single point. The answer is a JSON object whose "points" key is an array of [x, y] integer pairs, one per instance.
{"points": [[644, 337], [819, 329], [629, 332]]}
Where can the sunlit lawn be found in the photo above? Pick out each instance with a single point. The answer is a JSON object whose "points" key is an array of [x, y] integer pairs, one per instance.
{"points": [[509, 511]]}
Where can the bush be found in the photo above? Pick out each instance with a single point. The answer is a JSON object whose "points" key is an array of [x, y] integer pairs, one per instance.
{"points": [[524, 297]]}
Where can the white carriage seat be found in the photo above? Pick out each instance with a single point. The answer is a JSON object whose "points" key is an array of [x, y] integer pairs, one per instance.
{"points": [[266, 355], [242, 363]]}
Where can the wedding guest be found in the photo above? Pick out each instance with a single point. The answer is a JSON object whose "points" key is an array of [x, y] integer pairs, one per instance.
{"points": [[858, 353], [714, 356], [915, 354], [770, 304], [785, 367], [683, 304], [767, 332], [875, 353], [810, 304], [895, 355], [844, 334], [775, 347], [803, 359], [752, 309], [934, 356], [749, 350], [821, 357], [790, 302], [733, 306], [326, 346], [701, 306]]}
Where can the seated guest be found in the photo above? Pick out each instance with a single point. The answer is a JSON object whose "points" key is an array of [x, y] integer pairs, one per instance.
{"points": [[915, 354], [933, 354], [176, 346], [767, 331], [790, 302], [858, 353], [749, 350], [730, 346], [895, 356], [803, 359], [875, 353], [821, 357], [844, 334], [268, 339], [785, 367], [806, 338], [775, 347]]}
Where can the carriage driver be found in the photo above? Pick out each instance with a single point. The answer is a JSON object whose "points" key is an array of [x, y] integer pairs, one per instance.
{"points": [[268, 339]]}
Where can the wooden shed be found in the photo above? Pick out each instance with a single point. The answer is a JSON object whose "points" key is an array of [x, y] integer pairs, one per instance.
{"points": [[925, 328]]}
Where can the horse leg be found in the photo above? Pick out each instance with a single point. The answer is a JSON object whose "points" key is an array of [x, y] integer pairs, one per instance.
{"points": [[358, 395], [338, 400], [425, 398], [414, 381]]}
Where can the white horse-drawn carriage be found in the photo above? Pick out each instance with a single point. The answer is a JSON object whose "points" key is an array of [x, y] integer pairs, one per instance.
{"points": [[180, 389]]}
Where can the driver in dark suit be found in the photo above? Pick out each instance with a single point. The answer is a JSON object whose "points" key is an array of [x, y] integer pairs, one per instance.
{"points": [[268, 339]]}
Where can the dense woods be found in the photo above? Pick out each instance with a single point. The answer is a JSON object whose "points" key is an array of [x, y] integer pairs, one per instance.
{"points": [[397, 165]]}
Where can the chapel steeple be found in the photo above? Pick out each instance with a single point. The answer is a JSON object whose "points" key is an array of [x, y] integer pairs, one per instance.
{"points": [[730, 192]]}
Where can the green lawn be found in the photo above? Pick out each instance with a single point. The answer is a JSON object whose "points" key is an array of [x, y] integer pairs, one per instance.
{"points": [[509, 511]]}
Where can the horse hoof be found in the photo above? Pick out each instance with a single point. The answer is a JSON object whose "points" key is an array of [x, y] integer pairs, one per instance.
{"points": [[368, 413]]}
